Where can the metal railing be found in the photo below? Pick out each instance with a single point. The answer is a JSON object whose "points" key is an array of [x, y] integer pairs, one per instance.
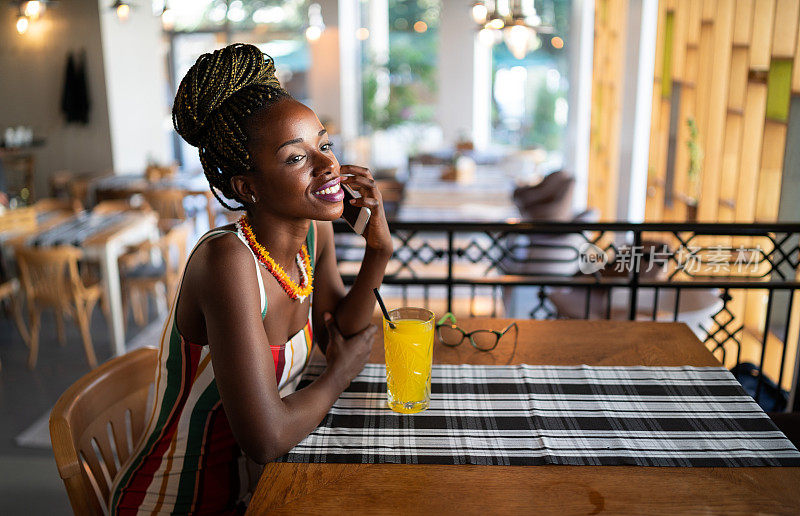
{"points": [[734, 284]]}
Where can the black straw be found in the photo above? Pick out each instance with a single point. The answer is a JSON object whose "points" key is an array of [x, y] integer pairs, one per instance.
{"points": [[383, 308]]}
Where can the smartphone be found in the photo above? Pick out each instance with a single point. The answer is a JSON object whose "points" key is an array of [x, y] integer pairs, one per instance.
{"points": [[355, 217]]}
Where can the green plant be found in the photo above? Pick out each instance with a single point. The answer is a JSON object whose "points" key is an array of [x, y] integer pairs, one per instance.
{"points": [[695, 155]]}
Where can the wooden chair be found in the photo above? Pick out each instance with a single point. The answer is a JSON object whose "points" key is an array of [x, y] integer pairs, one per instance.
{"points": [[168, 203], [141, 277], [51, 279], [156, 173], [106, 411], [9, 290]]}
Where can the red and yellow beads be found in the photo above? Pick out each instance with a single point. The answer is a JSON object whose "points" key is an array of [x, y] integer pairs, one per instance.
{"points": [[293, 290]]}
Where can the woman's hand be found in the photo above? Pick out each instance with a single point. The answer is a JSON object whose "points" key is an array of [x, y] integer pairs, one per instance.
{"points": [[377, 230], [346, 356]]}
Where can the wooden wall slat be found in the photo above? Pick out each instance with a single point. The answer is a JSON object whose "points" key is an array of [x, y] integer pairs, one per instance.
{"points": [[796, 68], [769, 177], [753, 131], [761, 43], [784, 34], [679, 42], [743, 22], [712, 172]]}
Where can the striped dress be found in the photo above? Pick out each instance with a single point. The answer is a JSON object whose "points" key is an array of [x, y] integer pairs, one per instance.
{"points": [[188, 461]]}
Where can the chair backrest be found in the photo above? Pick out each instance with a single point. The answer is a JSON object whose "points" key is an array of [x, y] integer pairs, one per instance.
{"points": [[96, 424], [173, 251], [168, 203], [50, 274]]}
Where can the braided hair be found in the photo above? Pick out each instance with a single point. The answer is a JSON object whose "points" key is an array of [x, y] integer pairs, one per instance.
{"points": [[218, 93]]}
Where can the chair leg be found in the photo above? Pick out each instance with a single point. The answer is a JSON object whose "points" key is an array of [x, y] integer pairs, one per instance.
{"points": [[140, 307], [62, 340], [82, 314], [33, 355], [17, 314]]}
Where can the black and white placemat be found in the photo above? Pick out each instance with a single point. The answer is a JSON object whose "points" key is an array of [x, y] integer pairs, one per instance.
{"points": [[571, 415]]}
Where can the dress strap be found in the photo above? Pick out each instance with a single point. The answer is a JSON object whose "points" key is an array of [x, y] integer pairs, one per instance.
{"points": [[261, 291]]}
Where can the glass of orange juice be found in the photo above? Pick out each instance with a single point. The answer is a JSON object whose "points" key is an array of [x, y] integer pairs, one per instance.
{"points": [[409, 354]]}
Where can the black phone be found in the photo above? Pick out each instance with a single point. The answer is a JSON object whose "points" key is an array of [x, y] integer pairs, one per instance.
{"points": [[355, 217]]}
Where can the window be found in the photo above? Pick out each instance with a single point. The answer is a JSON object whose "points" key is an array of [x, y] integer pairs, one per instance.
{"points": [[529, 95]]}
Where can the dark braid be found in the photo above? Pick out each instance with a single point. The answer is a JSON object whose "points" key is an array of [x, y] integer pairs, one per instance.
{"points": [[214, 99]]}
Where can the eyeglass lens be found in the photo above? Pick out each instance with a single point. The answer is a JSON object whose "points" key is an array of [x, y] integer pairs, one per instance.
{"points": [[450, 336], [484, 339]]}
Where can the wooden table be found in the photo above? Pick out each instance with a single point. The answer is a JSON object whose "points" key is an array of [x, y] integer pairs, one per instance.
{"points": [[468, 489]]}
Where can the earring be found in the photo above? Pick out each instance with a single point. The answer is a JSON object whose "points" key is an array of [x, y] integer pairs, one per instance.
{"points": [[252, 197]]}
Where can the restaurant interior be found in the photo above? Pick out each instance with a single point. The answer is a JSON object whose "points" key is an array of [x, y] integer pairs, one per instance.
{"points": [[628, 163]]}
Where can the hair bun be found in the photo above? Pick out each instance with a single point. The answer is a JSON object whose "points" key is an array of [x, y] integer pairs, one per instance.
{"points": [[212, 80]]}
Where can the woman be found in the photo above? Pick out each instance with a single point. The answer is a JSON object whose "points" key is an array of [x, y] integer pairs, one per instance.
{"points": [[240, 331]]}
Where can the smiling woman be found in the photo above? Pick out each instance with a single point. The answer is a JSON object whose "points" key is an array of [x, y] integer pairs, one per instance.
{"points": [[226, 397]]}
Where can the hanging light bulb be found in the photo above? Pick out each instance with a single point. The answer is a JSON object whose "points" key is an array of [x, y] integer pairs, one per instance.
{"points": [[168, 18], [33, 9], [315, 23], [313, 33], [123, 9], [487, 36], [520, 39], [479, 12], [22, 24], [495, 23]]}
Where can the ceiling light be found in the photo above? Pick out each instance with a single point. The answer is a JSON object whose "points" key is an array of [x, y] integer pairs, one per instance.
{"points": [[362, 33], [520, 39], [479, 12], [33, 9], [22, 24], [123, 9]]}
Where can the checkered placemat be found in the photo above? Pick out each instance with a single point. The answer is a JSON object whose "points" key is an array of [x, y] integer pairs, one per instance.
{"points": [[533, 415]]}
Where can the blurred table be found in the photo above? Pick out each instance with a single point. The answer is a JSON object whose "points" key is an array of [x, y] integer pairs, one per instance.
{"points": [[437, 489], [487, 198], [104, 241], [127, 185]]}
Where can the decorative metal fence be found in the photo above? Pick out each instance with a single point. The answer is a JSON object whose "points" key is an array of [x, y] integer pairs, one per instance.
{"points": [[733, 284]]}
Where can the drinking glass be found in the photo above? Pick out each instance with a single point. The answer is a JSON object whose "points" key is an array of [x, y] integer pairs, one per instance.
{"points": [[409, 354]]}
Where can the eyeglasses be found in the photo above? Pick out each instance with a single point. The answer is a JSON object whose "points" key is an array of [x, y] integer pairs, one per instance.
{"points": [[482, 340]]}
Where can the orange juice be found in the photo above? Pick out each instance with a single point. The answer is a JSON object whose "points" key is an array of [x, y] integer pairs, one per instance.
{"points": [[409, 353]]}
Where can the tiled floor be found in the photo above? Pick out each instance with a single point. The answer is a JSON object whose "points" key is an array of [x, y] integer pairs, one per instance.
{"points": [[29, 481]]}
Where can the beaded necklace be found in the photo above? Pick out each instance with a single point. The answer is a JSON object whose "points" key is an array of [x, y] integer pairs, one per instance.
{"points": [[293, 290]]}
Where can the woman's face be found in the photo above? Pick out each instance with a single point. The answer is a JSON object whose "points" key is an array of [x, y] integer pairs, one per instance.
{"points": [[295, 173]]}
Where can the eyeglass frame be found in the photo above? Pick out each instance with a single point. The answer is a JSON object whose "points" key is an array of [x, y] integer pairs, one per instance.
{"points": [[468, 335]]}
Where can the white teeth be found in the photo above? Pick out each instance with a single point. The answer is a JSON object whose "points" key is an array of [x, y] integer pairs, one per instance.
{"points": [[329, 190]]}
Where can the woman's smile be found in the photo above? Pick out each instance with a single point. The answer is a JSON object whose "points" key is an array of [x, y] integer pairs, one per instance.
{"points": [[330, 191]]}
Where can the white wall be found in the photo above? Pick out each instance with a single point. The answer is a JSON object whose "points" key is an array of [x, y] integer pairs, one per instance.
{"points": [[135, 63], [31, 82], [323, 75], [454, 107]]}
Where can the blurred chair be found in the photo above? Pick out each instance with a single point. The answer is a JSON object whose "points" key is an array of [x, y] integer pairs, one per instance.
{"points": [[550, 199], [50, 279], [168, 204], [53, 204], [9, 290], [141, 277], [156, 173], [96, 425], [392, 194]]}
